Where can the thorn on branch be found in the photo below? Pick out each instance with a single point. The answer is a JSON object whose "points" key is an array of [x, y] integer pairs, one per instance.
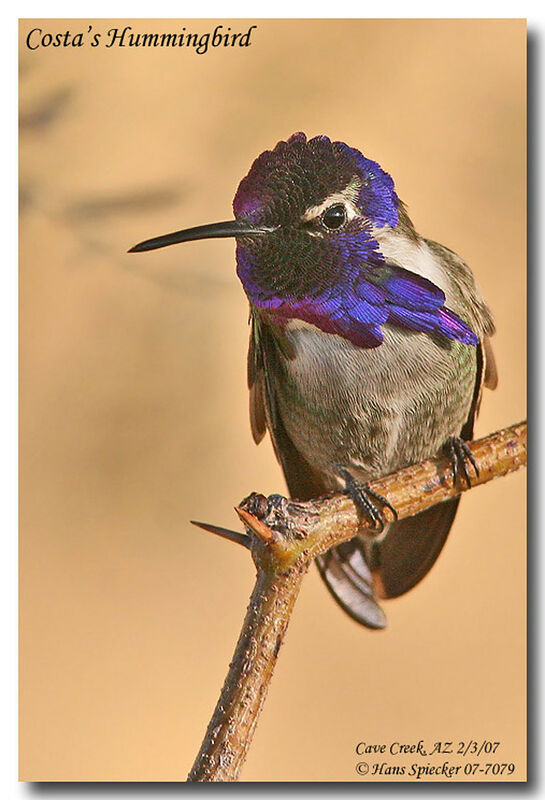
{"points": [[225, 533]]}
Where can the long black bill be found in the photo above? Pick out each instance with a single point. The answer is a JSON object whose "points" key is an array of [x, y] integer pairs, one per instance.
{"points": [[218, 230]]}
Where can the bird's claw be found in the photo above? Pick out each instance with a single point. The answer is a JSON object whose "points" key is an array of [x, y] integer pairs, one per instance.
{"points": [[460, 457], [366, 500]]}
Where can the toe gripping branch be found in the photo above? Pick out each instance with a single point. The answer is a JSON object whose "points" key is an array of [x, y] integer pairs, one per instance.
{"points": [[460, 455], [366, 500]]}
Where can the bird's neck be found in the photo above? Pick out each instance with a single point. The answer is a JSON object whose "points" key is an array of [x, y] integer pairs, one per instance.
{"points": [[411, 251]]}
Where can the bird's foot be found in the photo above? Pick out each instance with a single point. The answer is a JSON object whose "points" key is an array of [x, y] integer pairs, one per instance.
{"points": [[366, 500], [460, 457]]}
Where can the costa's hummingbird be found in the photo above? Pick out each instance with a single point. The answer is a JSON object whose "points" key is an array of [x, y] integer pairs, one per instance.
{"points": [[369, 348]]}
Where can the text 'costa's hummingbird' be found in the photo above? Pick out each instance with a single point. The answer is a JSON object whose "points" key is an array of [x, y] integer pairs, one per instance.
{"points": [[369, 348]]}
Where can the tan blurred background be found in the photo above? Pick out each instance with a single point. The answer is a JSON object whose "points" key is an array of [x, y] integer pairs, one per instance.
{"points": [[134, 404]]}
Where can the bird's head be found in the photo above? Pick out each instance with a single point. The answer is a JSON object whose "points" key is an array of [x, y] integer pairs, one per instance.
{"points": [[307, 218], [321, 202]]}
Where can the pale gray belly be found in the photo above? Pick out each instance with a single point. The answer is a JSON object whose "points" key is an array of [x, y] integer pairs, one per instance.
{"points": [[373, 411]]}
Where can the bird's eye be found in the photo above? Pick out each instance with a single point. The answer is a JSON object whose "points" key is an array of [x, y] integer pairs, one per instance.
{"points": [[334, 217]]}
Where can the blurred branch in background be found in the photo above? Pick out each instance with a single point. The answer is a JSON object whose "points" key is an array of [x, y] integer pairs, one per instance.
{"points": [[134, 200], [284, 537], [47, 110]]}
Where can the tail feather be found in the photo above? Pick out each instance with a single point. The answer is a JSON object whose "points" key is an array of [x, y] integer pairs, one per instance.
{"points": [[349, 580], [358, 572]]}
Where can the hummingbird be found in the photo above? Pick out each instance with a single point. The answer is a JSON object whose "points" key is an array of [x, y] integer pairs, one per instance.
{"points": [[369, 349]]}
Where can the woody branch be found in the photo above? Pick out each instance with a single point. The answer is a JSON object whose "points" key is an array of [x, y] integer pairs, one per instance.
{"points": [[284, 537]]}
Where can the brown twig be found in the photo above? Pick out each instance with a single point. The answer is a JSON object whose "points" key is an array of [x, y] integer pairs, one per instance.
{"points": [[285, 537]]}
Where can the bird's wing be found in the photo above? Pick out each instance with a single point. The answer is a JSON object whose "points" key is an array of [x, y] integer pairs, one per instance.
{"points": [[490, 368], [258, 418], [409, 549]]}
